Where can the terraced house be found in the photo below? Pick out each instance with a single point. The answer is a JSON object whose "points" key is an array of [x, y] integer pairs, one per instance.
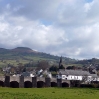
{"points": [[77, 75]]}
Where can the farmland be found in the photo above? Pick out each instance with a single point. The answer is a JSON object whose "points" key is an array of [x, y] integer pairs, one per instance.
{"points": [[49, 93]]}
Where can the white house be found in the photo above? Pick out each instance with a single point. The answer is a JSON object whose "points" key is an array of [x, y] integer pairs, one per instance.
{"points": [[77, 75]]}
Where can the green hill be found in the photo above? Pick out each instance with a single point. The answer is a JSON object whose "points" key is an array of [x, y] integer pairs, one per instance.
{"points": [[24, 55]]}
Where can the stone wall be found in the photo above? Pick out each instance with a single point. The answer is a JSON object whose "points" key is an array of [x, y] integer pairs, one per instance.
{"points": [[31, 82]]}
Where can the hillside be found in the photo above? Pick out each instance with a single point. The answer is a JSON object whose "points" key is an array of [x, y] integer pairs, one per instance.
{"points": [[25, 55], [23, 50]]}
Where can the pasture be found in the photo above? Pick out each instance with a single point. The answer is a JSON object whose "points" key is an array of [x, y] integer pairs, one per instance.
{"points": [[49, 93]]}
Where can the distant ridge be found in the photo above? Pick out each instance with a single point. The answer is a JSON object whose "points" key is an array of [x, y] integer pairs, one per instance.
{"points": [[23, 50], [26, 53], [2, 49]]}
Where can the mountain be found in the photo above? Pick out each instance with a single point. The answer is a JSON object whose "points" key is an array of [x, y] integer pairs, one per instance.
{"points": [[3, 50], [88, 61], [25, 54], [23, 50]]}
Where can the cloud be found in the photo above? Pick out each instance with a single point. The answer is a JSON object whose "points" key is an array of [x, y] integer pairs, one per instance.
{"points": [[29, 33], [60, 27]]}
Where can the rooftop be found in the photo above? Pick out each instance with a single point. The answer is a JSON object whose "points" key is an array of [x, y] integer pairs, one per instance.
{"points": [[76, 73]]}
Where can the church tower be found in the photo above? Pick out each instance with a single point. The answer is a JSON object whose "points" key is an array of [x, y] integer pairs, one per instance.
{"points": [[60, 62]]}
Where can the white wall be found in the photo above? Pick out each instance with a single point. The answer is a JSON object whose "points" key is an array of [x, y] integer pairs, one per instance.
{"points": [[72, 77], [69, 77]]}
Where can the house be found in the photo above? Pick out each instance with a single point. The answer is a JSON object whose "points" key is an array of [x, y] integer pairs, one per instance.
{"points": [[77, 75], [27, 74], [44, 73]]}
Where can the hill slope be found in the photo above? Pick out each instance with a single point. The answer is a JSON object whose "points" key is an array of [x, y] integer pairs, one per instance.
{"points": [[23, 50], [25, 55]]}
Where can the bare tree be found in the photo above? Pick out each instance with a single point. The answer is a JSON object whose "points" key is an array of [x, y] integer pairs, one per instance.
{"points": [[84, 79], [42, 65]]}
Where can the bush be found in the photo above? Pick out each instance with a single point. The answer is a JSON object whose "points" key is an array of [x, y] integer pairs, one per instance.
{"points": [[95, 85], [86, 86]]}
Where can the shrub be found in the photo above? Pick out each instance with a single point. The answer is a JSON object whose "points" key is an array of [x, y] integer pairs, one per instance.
{"points": [[86, 86]]}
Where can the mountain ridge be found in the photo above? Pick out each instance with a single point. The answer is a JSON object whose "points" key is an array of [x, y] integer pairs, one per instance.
{"points": [[25, 51], [27, 54]]}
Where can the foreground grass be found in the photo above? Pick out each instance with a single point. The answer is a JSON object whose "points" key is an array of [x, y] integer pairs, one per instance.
{"points": [[48, 93]]}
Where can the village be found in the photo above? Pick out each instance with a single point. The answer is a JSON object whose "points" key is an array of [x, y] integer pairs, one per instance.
{"points": [[64, 77]]}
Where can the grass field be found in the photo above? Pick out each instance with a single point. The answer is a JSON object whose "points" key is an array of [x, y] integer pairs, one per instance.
{"points": [[49, 93], [23, 60]]}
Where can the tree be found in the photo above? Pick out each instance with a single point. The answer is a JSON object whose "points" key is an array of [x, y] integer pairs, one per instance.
{"points": [[24, 69], [61, 67], [53, 68], [73, 67], [42, 65], [84, 79]]}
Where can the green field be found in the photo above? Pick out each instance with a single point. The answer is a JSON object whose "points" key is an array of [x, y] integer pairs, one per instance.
{"points": [[49, 93], [23, 60]]}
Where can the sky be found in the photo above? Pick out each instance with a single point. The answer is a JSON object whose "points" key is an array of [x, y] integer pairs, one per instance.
{"points": [[67, 28]]}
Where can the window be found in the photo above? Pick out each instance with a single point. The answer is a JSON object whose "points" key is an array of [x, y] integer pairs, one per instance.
{"points": [[63, 76]]}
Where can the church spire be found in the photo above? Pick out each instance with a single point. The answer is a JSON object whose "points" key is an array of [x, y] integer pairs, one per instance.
{"points": [[60, 62]]}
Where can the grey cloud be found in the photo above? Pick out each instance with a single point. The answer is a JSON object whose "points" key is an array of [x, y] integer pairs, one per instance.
{"points": [[73, 32], [75, 15], [34, 9]]}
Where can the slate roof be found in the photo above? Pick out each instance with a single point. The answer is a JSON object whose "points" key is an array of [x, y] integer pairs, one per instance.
{"points": [[74, 72], [94, 75], [25, 74]]}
